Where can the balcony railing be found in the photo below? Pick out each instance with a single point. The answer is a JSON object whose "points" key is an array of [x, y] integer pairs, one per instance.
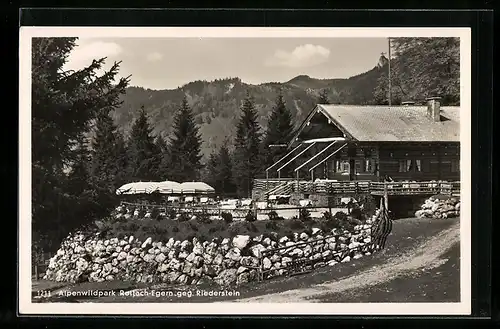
{"points": [[357, 187]]}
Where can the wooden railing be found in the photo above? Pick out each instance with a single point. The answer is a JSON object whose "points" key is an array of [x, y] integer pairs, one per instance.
{"points": [[366, 187]]}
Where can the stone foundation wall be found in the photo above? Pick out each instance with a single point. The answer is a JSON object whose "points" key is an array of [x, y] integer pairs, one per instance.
{"points": [[224, 261], [439, 207]]}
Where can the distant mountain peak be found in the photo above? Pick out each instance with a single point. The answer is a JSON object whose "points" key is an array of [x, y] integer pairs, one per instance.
{"points": [[299, 77]]}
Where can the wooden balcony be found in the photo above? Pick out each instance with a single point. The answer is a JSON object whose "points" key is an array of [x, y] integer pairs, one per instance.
{"points": [[356, 187]]}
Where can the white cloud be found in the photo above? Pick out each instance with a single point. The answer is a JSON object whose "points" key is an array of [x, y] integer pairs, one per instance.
{"points": [[82, 55], [154, 56], [302, 56]]}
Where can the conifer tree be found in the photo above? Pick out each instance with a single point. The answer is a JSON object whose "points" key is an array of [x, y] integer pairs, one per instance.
{"points": [[108, 162], [162, 158], [212, 170], [219, 169], [246, 151], [141, 149], [323, 97], [60, 97], [185, 146], [225, 171], [279, 129]]}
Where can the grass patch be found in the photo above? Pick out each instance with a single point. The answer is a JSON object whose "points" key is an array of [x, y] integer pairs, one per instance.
{"points": [[206, 229]]}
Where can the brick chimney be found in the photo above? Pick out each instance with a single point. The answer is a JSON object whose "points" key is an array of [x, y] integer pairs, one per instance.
{"points": [[434, 108]]}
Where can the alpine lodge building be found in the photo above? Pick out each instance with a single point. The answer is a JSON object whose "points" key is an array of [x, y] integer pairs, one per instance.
{"points": [[343, 149]]}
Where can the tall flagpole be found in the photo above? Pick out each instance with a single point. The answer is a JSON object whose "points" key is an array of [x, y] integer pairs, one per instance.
{"points": [[389, 74]]}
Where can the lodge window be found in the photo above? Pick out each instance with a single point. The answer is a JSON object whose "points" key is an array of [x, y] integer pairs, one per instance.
{"points": [[455, 165], [357, 164], [341, 166], [418, 165], [410, 165], [368, 165]]}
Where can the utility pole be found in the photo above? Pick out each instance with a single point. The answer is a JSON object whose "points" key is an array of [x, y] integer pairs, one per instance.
{"points": [[389, 73]]}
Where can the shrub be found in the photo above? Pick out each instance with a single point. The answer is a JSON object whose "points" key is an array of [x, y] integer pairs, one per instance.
{"points": [[170, 213], [273, 215], [192, 225], [142, 212], [252, 227], [272, 225], [327, 216], [203, 238], [250, 216], [357, 214], [203, 217], [183, 217], [155, 213], [227, 217], [295, 224], [304, 214], [341, 216]]}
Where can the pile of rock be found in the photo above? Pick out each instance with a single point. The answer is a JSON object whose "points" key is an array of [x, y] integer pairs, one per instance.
{"points": [[223, 261], [439, 207]]}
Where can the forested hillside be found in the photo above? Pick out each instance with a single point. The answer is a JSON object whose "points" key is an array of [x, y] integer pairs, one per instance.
{"points": [[216, 104]]}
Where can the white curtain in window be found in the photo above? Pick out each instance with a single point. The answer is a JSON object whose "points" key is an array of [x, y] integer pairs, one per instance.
{"points": [[408, 165], [418, 165], [368, 165]]}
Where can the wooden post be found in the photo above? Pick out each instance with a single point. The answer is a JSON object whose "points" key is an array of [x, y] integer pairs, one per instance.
{"points": [[386, 197], [389, 74]]}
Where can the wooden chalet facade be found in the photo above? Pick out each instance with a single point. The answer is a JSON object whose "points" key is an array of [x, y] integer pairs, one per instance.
{"points": [[374, 143]]}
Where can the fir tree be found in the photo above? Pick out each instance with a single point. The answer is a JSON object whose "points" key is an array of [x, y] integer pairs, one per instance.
{"points": [[142, 155], [122, 160], [212, 170], [279, 129], [225, 171], [60, 97], [219, 169], [246, 151], [162, 158], [108, 163], [323, 97], [185, 146]]}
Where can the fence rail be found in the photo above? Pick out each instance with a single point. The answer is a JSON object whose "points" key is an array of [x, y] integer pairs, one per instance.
{"points": [[240, 212], [361, 187]]}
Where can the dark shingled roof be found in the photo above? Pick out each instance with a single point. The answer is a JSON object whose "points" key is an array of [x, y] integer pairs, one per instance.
{"points": [[393, 123]]}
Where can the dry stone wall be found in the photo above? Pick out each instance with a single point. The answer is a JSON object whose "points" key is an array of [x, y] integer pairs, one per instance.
{"points": [[224, 261], [439, 207]]}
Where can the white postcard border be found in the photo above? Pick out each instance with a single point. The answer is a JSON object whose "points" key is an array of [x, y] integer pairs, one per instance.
{"points": [[27, 307]]}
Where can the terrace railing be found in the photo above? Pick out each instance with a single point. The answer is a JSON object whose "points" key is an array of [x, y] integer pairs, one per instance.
{"points": [[364, 187]]}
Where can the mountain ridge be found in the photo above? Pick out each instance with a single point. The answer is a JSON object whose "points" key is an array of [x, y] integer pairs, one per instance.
{"points": [[216, 103]]}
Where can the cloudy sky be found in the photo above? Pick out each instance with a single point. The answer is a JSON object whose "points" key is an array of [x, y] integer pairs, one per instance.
{"points": [[169, 63]]}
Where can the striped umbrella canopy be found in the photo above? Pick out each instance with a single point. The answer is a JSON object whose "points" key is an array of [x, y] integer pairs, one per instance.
{"points": [[135, 188], [166, 187], [196, 188]]}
